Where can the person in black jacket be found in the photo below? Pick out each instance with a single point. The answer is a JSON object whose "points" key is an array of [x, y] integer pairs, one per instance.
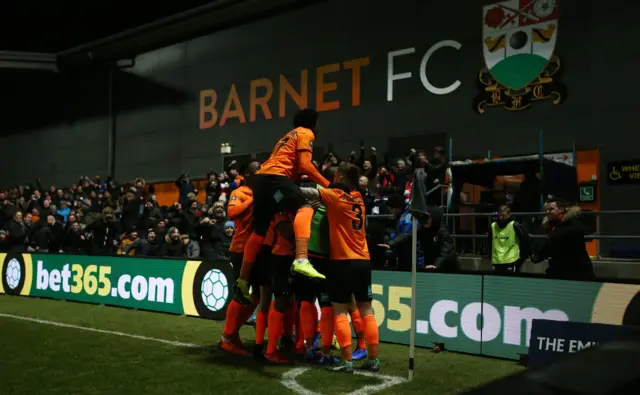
{"points": [[48, 237], [130, 211], [566, 249], [186, 187], [17, 232], [436, 243], [73, 241], [103, 233], [211, 230], [363, 188], [173, 246], [436, 174], [149, 246]]}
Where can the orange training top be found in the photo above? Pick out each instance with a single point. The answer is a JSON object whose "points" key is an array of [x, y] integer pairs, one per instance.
{"points": [[284, 157], [240, 210], [346, 215]]}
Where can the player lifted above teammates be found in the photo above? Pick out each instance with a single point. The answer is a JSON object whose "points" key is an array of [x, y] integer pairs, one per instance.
{"points": [[275, 190], [350, 268]]}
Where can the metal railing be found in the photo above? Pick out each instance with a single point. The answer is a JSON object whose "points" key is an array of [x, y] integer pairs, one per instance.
{"points": [[479, 236], [475, 236], [597, 236]]}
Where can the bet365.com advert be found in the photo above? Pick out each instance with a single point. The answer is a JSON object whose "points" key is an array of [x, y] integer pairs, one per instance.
{"points": [[488, 315]]}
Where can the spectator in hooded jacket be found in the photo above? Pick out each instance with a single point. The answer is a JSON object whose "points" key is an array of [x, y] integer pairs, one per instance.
{"points": [[104, 232], [224, 241], [173, 245], [565, 250], [190, 218], [191, 247]]}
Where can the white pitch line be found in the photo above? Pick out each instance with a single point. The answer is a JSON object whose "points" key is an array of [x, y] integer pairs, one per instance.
{"points": [[289, 381], [288, 378], [115, 333]]}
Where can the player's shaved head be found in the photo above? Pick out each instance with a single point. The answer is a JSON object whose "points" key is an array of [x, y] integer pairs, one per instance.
{"points": [[350, 174], [330, 172], [306, 118], [253, 167], [250, 172]]}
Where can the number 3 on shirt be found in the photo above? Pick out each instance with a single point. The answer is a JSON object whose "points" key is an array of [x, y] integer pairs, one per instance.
{"points": [[358, 222]]}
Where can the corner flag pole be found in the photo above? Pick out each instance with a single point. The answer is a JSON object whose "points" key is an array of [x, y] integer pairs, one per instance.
{"points": [[414, 276]]}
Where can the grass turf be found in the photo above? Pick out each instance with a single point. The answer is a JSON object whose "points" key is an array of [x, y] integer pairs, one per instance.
{"points": [[39, 358]]}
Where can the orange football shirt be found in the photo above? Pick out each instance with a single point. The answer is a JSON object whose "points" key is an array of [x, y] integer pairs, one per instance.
{"points": [[347, 233], [284, 157]]}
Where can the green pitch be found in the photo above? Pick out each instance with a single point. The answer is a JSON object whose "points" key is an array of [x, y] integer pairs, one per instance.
{"points": [[153, 353]]}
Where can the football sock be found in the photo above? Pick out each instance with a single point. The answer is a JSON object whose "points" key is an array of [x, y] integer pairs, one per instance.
{"points": [[372, 335], [358, 327], [261, 326], [275, 329], [246, 313], [299, 330], [233, 312], [251, 250], [326, 329], [343, 332], [302, 230]]}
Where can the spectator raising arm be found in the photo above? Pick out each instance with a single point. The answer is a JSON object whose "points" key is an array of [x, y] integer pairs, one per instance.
{"points": [[368, 166]]}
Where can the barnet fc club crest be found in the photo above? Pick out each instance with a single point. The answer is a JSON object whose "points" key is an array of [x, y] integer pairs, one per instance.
{"points": [[519, 39]]}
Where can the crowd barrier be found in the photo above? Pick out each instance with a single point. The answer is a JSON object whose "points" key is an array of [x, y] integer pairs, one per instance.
{"points": [[472, 313]]}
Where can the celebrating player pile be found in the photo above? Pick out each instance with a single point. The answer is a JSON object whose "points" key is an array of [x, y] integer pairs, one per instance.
{"points": [[350, 267], [335, 235]]}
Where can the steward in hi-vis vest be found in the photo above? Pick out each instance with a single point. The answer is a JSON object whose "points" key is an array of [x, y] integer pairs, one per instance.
{"points": [[509, 244]]}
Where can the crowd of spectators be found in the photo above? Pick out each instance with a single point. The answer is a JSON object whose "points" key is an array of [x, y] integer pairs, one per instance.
{"points": [[104, 217]]}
